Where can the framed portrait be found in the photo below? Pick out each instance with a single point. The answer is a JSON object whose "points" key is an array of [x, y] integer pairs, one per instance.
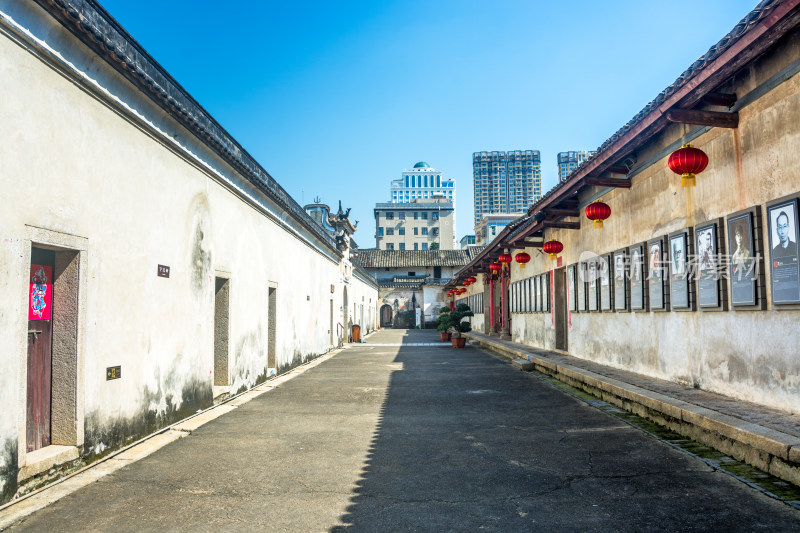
{"points": [[546, 292], [581, 281], [679, 251], [538, 293], [604, 278], [637, 278], [783, 254], [655, 275], [619, 262], [571, 296], [705, 265], [591, 278]]}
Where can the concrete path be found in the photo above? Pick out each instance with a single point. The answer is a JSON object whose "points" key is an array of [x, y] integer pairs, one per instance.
{"points": [[415, 437]]}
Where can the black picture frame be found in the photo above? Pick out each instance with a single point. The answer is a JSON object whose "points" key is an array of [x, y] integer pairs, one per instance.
{"points": [[581, 282], [572, 295], [591, 285], [546, 292], [681, 284], [638, 280], [707, 265], [784, 260], [656, 275], [604, 282], [619, 265]]}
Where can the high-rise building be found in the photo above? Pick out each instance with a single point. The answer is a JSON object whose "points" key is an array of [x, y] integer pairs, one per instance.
{"points": [[506, 182], [569, 161], [420, 224], [422, 182]]}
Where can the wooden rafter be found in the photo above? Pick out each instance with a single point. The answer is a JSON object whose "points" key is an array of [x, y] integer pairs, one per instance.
{"points": [[608, 182], [715, 119], [562, 225]]}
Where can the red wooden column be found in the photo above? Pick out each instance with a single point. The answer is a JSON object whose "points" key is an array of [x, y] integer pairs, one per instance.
{"points": [[492, 329], [505, 275]]}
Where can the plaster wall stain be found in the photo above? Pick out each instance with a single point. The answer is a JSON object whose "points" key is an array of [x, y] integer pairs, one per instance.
{"points": [[8, 470], [250, 362], [103, 434], [201, 253]]}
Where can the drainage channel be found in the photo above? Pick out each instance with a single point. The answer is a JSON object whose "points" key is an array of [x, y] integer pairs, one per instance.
{"points": [[751, 476]]}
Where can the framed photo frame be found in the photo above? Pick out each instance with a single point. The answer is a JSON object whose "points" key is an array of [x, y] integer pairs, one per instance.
{"points": [[581, 291], [619, 265], [572, 297], [746, 268], [681, 284], [708, 265], [637, 279], [782, 228], [604, 278], [591, 289], [656, 278], [546, 292]]}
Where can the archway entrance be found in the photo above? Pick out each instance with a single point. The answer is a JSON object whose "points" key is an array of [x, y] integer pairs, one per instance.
{"points": [[386, 316]]}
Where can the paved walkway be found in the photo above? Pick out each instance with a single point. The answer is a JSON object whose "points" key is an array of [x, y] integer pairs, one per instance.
{"points": [[394, 435]]}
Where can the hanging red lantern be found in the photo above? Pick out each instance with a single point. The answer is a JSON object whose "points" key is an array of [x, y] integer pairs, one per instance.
{"points": [[505, 259], [522, 258], [465, 283], [462, 290], [553, 247], [472, 280], [688, 161], [597, 211], [495, 268]]}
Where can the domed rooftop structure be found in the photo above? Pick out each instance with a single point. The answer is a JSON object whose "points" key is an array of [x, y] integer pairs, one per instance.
{"points": [[422, 164]]}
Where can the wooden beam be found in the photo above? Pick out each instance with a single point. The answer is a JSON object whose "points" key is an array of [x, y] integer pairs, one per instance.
{"points": [[715, 119], [560, 212], [562, 225], [618, 169], [723, 99], [534, 244], [608, 182]]}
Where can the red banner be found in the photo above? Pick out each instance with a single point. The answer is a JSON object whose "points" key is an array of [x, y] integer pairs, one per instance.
{"points": [[40, 293]]}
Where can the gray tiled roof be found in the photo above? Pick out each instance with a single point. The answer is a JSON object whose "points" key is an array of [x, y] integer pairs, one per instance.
{"points": [[410, 258], [427, 206]]}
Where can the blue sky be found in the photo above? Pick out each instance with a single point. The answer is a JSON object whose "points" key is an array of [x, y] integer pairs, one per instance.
{"points": [[335, 99]]}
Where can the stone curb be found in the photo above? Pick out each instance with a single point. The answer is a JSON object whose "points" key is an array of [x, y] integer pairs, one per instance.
{"points": [[767, 449]]}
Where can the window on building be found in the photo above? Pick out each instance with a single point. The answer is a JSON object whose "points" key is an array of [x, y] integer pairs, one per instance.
{"points": [[402, 246], [401, 231], [434, 216], [424, 216], [434, 231], [401, 215], [416, 246], [380, 232], [389, 231], [424, 231], [416, 231], [416, 215], [424, 245], [389, 215], [390, 246]]}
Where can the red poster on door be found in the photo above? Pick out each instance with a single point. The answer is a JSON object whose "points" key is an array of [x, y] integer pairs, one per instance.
{"points": [[40, 293]]}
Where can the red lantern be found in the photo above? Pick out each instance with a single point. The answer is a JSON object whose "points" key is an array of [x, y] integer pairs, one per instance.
{"points": [[472, 280], [688, 161], [505, 259], [553, 247], [462, 290], [495, 268], [597, 211], [465, 283], [522, 258]]}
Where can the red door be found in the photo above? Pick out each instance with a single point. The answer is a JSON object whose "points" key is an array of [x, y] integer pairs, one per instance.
{"points": [[40, 342]]}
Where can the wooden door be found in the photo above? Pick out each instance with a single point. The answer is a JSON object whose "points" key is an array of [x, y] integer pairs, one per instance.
{"points": [[40, 352]]}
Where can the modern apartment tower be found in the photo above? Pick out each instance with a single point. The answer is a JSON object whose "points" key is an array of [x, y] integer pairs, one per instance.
{"points": [[569, 161], [506, 182]]}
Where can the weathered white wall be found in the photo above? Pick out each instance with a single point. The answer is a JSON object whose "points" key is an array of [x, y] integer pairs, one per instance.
{"points": [[91, 158], [750, 355]]}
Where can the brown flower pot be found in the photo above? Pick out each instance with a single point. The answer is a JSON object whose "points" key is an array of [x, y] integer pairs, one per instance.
{"points": [[458, 342], [445, 336]]}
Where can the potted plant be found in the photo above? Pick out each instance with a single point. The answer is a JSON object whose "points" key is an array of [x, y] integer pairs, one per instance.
{"points": [[443, 323], [458, 327]]}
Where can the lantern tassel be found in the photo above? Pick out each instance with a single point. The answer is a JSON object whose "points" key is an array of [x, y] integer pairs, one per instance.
{"points": [[598, 224], [522, 265], [553, 257], [688, 180]]}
